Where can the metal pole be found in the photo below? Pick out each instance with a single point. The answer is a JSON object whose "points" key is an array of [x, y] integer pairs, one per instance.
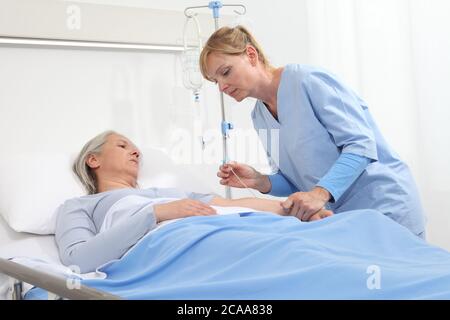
{"points": [[215, 7], [224, 127]]}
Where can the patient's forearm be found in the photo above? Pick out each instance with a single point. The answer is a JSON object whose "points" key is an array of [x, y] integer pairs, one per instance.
{"points": [[253, 203]]}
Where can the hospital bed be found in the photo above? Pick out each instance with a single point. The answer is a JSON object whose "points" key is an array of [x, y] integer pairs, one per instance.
{"points": [[240, 255], [243, 255], [253, 255]]}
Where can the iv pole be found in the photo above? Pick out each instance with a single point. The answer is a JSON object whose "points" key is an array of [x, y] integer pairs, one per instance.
{"points": [[215, 6]]}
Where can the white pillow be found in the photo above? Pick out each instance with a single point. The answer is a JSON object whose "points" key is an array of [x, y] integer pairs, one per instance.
{"points": [[33, 185]]}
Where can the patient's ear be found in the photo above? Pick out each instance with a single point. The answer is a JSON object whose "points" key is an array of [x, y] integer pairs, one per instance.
{"points": [[93, 161]]}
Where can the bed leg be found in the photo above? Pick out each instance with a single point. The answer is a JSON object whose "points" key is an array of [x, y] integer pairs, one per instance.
{"points": [[17, 290]]}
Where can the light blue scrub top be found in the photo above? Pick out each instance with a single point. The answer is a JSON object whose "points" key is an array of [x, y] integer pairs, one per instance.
{"points": [[318, 119]]}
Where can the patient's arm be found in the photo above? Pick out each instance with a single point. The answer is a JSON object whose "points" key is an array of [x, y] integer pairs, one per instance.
{"points": [[263, 205], [81, 245], [253, 203]]}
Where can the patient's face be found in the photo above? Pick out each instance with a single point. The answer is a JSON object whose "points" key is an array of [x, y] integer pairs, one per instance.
{"points": [[119, 156]]}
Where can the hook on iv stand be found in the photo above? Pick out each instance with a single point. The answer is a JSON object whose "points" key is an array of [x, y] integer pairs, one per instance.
{"points": [[215, 6]]}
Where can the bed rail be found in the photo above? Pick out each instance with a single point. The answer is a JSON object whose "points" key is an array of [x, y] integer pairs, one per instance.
{"points": [[55, 284]]}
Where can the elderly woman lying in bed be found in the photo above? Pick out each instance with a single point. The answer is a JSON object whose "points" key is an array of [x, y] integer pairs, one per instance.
{"points": [[101, 226]]}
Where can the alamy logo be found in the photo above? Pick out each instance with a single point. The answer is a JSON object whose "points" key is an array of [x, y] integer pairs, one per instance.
{"points": [[74, 282], [374, 280], [73, 21]]}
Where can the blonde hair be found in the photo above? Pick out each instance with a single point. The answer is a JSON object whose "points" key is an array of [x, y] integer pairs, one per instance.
{"points": [[81, 169], [231, 41]]}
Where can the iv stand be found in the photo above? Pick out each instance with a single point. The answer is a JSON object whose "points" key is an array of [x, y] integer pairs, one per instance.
{"points": [[225, 126]]}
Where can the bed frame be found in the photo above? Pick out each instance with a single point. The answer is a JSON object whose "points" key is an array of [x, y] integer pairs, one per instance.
{"points": [[58, 287]]}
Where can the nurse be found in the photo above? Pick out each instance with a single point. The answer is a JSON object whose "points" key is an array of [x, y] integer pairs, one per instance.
{"points": [[330, 152]]}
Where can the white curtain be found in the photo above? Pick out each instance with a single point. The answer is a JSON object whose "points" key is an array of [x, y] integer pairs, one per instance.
{"points": [[396, 54]]}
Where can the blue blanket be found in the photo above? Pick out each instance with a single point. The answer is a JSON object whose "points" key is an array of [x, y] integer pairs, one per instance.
{"points": [[354, 255]]}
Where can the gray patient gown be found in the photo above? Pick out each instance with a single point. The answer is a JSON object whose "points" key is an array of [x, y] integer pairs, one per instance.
{"points": [[94, 229]]}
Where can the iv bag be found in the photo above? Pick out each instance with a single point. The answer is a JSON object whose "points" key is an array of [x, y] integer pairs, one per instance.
{"points": [[192, 77]]}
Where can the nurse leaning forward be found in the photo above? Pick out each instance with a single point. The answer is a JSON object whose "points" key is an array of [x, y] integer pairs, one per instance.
{"points": [[331, 152]]}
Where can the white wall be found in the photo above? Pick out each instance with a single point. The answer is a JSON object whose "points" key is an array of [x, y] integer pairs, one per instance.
{"points": [[394, 53]]}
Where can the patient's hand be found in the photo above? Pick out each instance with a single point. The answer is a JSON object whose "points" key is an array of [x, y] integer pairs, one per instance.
{"points": [[321, 214], [265, 205], [181, 209], [276, 206]]}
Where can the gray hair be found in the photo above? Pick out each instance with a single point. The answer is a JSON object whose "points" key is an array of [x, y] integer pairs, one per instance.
{"points": [[80, 167]]}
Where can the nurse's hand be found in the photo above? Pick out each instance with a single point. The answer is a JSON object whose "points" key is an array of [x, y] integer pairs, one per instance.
{"points": [[248, 175], [304, 205]]}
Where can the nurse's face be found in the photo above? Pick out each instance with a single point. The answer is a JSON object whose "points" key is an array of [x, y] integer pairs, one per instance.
{"points": [[234, 74]]}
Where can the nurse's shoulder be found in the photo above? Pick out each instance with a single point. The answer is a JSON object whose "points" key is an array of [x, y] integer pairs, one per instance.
{"points": [[305, 72]]}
